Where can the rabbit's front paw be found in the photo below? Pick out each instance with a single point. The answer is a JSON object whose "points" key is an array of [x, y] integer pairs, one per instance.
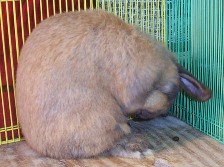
{"points": [[133, 146]]}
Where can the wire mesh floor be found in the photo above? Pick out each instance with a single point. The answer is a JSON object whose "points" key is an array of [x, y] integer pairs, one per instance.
{"points": [[192, 149]]}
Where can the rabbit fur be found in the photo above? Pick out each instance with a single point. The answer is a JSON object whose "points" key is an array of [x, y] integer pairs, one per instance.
{"points": [[81, 75]]}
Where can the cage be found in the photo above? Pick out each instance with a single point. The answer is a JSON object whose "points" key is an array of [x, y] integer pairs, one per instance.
{"points": [[191, 29]]}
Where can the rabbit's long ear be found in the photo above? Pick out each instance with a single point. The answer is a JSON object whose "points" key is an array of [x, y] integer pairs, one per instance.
{"points": [[192, 86]]}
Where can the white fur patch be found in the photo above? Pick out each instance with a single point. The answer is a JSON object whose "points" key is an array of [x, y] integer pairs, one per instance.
{"points": [[148, 152], [126, 154], [130, 154], [135, 154], [161, 163]]}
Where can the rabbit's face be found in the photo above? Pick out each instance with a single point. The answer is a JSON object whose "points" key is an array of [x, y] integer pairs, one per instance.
{"points": [[159, 101]]}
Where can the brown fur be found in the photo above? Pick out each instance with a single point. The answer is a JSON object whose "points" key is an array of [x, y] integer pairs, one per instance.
{"points": [[80, 75]]}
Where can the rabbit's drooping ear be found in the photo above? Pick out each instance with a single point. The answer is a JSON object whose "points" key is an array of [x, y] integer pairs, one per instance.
{"points": [[192, 86]]}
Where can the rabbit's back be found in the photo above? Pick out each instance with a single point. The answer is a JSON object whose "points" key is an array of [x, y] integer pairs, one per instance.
{"points": [[61, 99], [78, 46]]}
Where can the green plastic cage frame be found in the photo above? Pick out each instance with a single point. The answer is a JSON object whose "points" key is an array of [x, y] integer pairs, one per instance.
{"points": [[199, 46], [193, 29]]}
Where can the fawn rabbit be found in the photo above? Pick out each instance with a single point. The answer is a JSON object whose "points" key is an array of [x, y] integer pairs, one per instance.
{"points": [[82, 74]]}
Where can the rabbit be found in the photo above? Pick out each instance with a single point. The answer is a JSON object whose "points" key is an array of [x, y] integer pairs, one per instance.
{"points": [[82, 75]]}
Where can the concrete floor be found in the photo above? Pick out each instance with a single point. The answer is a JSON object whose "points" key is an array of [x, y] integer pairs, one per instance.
{"points": [[192, 149]]}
